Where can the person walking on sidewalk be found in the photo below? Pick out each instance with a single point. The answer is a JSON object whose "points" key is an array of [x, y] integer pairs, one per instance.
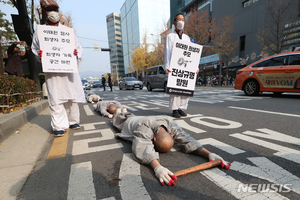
{"points": [[64, 89], [110, 82], [103, 80], [177, 103]]}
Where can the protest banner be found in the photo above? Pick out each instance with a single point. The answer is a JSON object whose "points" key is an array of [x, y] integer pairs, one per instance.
{"points": [[57, 44], [184, 64]]}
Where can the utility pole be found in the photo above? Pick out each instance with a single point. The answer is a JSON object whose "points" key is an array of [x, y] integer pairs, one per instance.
{"points": [[24, 29]]}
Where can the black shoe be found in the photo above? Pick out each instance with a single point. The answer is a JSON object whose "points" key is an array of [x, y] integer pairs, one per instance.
{"points": [[59, 133], [175, 114], [75, 126], [181, 113]]}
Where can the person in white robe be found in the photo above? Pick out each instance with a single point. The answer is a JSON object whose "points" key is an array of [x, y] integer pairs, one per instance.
{"points": [[64, 89], [177, 103]]}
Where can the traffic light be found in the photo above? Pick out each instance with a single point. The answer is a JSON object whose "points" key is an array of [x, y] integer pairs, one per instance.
{"points": [[223, 63]]}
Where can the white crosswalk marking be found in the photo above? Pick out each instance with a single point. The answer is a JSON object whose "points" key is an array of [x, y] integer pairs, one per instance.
{"points": [[131, 184], [230, 184], [283, 152], [221, 145], [88, 110], [81, 185], [269, 171]]}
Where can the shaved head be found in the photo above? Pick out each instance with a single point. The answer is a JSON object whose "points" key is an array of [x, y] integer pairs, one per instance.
{"points": [[95, 100], [112, 109], [163, 141]]}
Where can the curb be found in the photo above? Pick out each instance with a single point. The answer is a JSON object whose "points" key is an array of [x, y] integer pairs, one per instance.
{"points": [[10, 123]]}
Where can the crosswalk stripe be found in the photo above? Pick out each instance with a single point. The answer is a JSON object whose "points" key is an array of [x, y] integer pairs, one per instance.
{"points": [[229, 184], [131, 184], [81, 185], [88, 110]]}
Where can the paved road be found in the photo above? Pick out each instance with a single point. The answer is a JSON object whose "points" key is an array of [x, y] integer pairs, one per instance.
{"points": [[258, 135]]}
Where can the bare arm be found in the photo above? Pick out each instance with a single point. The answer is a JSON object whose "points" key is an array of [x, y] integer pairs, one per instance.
{"points": [[154, 163], [203, 152]]}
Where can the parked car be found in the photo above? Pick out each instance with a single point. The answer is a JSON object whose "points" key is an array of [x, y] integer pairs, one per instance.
{"points": [[156, 77], [130, 83], [86, 86], [96, 84], [277, 73]]}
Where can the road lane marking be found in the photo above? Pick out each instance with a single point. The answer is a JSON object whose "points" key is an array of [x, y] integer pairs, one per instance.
{"points": [[230, 185], [185, 125], [88, 110], [91, 126], [221, 145], [106, 133], [269, 171], [131, 183], [228, 124], [59, 146], [81, 185], [82, 146], [273, 135], [265, 111], [283, 152]]}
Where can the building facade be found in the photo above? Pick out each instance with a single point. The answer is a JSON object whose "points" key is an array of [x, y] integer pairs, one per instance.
{"points": [[248, 18], [114, 33], [140, 18]]}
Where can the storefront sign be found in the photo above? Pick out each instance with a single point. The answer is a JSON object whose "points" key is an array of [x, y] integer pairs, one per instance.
{"points": [[209, 59]]}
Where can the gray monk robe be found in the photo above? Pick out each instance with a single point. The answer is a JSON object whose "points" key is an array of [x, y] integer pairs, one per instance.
{"points": [[140, 130]]}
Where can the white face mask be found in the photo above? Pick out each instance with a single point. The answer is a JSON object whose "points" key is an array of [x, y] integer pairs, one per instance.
{"points": [[53, 16], [180, 25]]}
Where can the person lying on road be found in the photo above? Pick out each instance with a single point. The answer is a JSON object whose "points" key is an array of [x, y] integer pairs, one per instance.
{"points": [[152, 134], [108, 108]]}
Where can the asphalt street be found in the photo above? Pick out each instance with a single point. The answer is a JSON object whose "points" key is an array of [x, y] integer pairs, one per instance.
{"points": [[258, 135]]}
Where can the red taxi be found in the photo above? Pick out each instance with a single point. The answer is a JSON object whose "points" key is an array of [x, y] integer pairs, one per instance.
{"points": [[278, 73]]}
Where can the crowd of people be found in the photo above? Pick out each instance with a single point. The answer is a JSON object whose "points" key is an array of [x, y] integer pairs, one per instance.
{"points": [[214, 81]]}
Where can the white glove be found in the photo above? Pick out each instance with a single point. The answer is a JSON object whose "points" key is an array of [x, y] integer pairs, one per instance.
{"points": [[165, 175], [224, 164], [110, 116]]}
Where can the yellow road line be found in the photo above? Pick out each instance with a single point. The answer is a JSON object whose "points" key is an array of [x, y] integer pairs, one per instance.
{"points": [[59, 147]]}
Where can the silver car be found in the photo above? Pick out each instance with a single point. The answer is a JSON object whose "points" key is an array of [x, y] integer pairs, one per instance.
{"points": [[156, 77], [130, 83]]}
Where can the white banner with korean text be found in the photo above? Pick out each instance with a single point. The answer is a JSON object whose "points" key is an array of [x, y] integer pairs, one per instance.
{"points": [[184, 65], [57, 44]]}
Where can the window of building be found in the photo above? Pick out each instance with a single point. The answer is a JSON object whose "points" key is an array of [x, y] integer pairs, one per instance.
{"points": [[247, 3], [242, 46], [179, 2]]}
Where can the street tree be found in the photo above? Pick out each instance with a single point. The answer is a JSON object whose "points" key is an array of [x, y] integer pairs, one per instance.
{"points": [[140, 56], [157, 56], [224, 42], [202, 28], [7, 35], [277, 14]]}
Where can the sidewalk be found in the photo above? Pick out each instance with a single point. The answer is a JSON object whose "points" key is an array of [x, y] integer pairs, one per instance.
{"points": [[9, 123], [23, 135]]}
